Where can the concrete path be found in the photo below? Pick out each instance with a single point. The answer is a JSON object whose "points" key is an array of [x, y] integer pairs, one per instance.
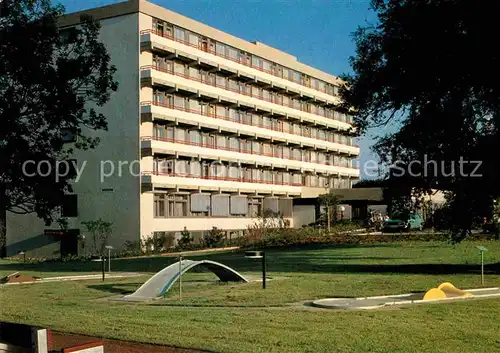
{"points": [[79, 278], [403, 299]]}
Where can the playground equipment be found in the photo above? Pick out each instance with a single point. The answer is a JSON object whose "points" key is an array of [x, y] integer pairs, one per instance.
{"points": [[162, 281], [444, 292]]}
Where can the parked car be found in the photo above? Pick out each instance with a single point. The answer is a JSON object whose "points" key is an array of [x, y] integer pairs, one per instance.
{"points": [[400, 223]]}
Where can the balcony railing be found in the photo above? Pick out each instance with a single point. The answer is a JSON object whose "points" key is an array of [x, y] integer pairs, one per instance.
{"points": [[242, 150], [238, 60], [221, 178], [272, 99], [248, 122]]}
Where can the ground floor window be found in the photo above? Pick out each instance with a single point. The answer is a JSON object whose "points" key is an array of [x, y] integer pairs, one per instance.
{"points": [[171, 205], [218, 205]]}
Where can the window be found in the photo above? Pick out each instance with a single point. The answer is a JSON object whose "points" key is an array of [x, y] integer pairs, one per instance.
{"points": [[232, 53], [286, 73], [239, 205], [159, 206], [69, 207], [254, 207], [221, 111], [285, 207], [286, 178], [195, 168], [234, 172], [267, 176], [194, 106], [234, 143], [220, 205], [271, 204], [244, 58], [220, 49], [194, 73], [177, 205], [233, 85], [221, 81], [200, 204], [179, 102], [256, 61], [163, 166], [158, 26], [179, 68], [195, 137], [266, 65], [234, 114], [193, 39], [179, 34]]}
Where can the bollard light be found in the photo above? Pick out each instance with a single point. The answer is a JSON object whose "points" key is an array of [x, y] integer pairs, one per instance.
{"points": [[259, 255], [109, 247], [342, 210], [180, 277], [482, 249]]}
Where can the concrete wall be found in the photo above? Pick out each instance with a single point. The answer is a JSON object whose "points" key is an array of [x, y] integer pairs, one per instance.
{"points": [[119, 143]]}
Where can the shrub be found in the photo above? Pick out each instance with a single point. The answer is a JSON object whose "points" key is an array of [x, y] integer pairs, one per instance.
{"points": [[100, 231], [214, 238], [185, 240], [266, 224], [158, 242]]}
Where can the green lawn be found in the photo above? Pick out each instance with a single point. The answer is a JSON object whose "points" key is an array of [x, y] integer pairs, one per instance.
{"points": [[244, 318]]}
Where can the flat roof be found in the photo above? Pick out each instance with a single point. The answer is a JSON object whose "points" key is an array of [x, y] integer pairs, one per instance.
{"points": [[153, 10]]}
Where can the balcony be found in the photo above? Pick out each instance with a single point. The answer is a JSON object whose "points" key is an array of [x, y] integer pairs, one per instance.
{"points": [[245, 97], [198, 50], [198, 118], [218, 182], [246, 155]]}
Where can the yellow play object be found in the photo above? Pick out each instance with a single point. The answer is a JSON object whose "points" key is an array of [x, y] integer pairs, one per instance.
{"points": [[445, 290]]}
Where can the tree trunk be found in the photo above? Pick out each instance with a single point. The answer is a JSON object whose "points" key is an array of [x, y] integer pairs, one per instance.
{"points": [[3, 222], [328, 215]]}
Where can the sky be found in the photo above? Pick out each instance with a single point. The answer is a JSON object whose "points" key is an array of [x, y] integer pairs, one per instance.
{"points": [[317, 32]]}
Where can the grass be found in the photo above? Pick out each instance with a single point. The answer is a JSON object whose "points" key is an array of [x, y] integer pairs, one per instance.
{"points": [[244, 318]]}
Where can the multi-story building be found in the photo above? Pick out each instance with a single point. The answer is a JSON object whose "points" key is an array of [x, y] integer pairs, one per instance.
{"points": [[223, 129]]}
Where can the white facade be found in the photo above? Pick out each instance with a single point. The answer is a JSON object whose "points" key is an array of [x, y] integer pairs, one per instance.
{"points": [[192, 127]]}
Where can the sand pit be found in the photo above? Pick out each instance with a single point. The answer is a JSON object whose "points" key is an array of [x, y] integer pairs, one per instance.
{"points": [[18, 277]]}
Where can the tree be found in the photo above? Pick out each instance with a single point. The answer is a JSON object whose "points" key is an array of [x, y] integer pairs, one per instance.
{"points": [[429, 69], [330, 201], [100, 232], [51, 82], [186, 238], [214, 238]]}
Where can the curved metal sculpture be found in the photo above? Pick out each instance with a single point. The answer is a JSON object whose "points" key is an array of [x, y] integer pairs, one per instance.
{"points": [[161, 282]]}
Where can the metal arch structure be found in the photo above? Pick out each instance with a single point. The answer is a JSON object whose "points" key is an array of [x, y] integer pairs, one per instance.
{"points": [[162, 281]]}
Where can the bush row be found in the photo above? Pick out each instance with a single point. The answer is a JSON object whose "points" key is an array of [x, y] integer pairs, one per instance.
{"points": [[305, 236]]}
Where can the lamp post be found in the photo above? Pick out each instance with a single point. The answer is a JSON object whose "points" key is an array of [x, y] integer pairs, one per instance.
{"points": [[102, 260], [180, 277], [259, 255], [482, 249], [109, 247]]}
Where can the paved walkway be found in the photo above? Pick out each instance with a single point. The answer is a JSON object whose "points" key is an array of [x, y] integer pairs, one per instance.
{"points": [[391, 300], [79, 278]]}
